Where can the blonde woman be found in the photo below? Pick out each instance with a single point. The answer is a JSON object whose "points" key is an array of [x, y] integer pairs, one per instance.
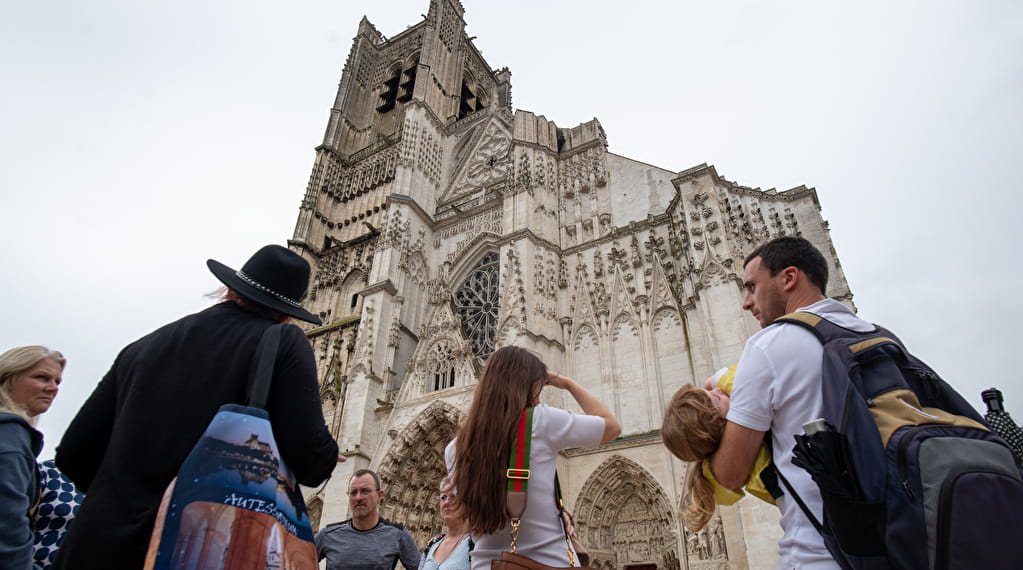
{"points": [[449, 551], [29, 379]]}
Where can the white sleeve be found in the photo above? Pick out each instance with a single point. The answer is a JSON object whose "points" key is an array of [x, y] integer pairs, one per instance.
{"points": [[565, 429], [449, 456], [752, 392]]}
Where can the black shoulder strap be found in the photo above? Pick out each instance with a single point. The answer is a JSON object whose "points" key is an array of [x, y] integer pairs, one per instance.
{"points": [[776, 473], [262, 369], [799, 501]]}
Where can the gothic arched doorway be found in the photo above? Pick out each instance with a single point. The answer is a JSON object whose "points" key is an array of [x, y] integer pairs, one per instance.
{"points": [[414, 466], [624, 518]]}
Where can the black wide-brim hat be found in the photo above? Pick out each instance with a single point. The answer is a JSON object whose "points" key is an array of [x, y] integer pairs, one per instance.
{"points": [[274, 277]]}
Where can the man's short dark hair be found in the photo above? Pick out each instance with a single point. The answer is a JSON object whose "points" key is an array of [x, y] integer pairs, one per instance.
{"points": [[361, 472], [789, 251]]}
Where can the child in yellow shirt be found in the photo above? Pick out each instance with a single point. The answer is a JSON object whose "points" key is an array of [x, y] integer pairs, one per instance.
{"points": [[693, 425]]}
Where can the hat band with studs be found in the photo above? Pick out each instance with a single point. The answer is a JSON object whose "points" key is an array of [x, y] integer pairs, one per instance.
{"points": [[241, 275]]}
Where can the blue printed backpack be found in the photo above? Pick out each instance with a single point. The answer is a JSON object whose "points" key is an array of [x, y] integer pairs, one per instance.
{"points": [[910, 474]]}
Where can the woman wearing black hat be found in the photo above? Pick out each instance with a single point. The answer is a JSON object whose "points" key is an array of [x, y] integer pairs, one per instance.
{"points": [[129, 438]]}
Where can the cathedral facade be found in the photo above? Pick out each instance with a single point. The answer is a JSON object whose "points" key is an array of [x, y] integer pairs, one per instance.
{"points": [[441, 224]]}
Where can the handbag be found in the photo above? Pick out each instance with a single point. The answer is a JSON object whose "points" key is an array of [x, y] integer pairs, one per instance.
{"points": [[518, 483], [234, 504]]}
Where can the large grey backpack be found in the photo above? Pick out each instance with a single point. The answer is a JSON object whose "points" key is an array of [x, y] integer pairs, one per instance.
{"points": [[910, 474]]}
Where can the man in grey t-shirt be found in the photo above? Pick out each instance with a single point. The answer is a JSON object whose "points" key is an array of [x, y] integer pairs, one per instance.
{"points": [[366, 542]]}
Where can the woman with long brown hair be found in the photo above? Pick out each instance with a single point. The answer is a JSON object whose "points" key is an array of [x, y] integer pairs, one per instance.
{"points": [[510, 382]]}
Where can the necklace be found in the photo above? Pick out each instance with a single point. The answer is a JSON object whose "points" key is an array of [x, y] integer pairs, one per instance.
{"points": [[443, 550]]}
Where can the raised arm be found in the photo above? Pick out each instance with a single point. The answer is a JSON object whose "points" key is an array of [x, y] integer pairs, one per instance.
{"points": [[589, 404]]}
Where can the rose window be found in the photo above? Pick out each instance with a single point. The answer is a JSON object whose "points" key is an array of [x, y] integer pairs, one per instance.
{"points": [[476, 303]]}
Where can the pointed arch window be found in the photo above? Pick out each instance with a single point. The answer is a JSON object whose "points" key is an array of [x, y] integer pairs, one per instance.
{"points": [[441, 367], [476, 303]]}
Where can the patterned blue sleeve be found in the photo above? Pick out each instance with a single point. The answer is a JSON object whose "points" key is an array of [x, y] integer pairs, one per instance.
{"points": [[58, 506]]}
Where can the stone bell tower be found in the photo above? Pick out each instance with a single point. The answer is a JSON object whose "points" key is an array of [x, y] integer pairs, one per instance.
{"points": [[441, 224]]}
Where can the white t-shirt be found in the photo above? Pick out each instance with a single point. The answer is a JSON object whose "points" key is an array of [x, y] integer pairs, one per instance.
{"points": [[777, 388], [541, 536]]}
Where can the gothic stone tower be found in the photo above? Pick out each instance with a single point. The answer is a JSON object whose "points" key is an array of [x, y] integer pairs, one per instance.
{"points": [[441, 224]]}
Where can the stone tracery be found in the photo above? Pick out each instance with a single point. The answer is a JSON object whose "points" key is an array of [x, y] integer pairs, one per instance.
{"points": [[477, 301]]}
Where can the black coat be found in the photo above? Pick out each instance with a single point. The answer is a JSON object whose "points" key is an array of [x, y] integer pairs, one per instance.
{"points": [[138, 426]]}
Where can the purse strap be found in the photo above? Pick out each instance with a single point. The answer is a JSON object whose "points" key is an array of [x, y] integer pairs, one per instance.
{"points": [[561, 516], [262, 367], [518, 473], [518, 481]]}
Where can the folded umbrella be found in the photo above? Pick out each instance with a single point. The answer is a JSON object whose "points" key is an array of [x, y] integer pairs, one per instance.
{"points": [[857, 525], [825, 456]]}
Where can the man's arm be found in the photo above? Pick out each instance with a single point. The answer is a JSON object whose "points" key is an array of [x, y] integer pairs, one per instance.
{"points": [[84, 443], [408, 552], [733, 460]]}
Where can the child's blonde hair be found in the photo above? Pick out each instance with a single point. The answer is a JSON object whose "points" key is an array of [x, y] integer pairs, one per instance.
{"points": [[692, 431]]}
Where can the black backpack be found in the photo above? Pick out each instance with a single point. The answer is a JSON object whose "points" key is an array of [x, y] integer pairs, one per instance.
{"points": [[909, 473]]}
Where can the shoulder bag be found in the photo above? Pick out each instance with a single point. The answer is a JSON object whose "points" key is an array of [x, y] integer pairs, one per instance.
{"points": [[234, 504], [518, 482]]}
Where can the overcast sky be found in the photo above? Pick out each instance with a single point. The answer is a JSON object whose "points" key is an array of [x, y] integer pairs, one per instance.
{"points": [[141, 138]]}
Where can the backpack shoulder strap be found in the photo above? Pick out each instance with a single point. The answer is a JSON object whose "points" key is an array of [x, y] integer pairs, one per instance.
{"points": [[775, 475], [808, 321], [826, 331]]}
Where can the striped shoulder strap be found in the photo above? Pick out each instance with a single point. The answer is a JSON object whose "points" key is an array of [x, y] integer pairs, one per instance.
{"points": [[518, 473], [518, 460]]}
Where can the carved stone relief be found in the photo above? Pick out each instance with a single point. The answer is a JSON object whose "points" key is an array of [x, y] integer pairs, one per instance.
{"points": [[364, 70], [623, 516], [582, 172], [366, 338], [413, 467], [421, 150], [470, 228], [442, 350], [393, 53], [342, 183], [545, 284], [513, 297], [450, 27], [491, 162], [523, 174], [706, 548], [393, 330]]}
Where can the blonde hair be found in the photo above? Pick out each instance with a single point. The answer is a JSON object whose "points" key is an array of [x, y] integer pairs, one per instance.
{"points": [[12, 364], [692, 431]]}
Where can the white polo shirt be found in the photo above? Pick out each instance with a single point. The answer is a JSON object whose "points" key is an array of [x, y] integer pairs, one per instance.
{"points": [[777, 388]]}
